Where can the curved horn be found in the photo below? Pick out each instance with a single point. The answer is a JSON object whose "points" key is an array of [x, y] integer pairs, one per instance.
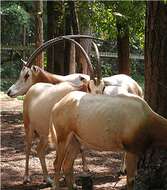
{"points": [[98, 66], [58, 39], [90, 67], [40, 49], [53, 41], [50, 43]]}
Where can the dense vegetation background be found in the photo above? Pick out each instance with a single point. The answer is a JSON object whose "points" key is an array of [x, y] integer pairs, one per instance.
{"points": [[121, 24]]}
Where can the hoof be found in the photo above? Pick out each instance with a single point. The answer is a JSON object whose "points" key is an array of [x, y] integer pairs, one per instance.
{"points": [[34, 153], [86, 169], [74, 187], [48, 180], [26, 180], [122, 172]]}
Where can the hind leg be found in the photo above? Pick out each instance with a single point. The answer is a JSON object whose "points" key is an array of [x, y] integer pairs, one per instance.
{"points": [[41, 154], [123, 164], [60, 153], [131, 168], [84, 163], [72, 151]]}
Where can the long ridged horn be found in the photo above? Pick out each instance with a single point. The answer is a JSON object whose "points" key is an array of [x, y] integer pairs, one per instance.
{"points": [[90, 67], [56, 40], [98, 65], [50, 43]]}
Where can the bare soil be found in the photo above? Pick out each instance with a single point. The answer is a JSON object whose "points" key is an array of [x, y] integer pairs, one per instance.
{"points": [[104, 166]]}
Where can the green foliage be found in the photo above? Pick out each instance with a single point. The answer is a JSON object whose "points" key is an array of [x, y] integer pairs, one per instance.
{"points": [[103, 21], [137, 72], [9, 74], [14, 17], [130, 14], [106, 70], [100, 15], [16, 13]]}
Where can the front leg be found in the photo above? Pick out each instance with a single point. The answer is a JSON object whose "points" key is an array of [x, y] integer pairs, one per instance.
{"points": [[29, 137]]}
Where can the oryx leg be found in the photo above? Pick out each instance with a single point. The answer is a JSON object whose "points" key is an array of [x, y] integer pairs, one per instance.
{"points": [[28, 141], [123, 164], [72, 151], [131, 169], [84, 163], [60, 154], [41, 147]]}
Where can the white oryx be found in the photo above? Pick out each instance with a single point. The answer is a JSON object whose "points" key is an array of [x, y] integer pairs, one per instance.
{"points": [[31, 74], [37, 107], [104, 123]]}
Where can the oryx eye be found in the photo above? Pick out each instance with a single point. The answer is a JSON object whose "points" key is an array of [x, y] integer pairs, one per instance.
{"points": [[26, 76]]}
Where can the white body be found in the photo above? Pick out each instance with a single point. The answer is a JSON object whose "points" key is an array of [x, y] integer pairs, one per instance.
{"points": [[104, 123], [120, 84], [38, 103]]}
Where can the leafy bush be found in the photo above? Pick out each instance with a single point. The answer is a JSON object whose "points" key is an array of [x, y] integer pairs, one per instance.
{"points": [[9, 74]]}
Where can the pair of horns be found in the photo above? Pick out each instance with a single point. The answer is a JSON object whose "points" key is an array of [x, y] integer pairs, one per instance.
{"points": [[53, 41]]}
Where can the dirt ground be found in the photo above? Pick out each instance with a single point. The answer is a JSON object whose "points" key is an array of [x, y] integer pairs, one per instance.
{"points": [[103, 166]]}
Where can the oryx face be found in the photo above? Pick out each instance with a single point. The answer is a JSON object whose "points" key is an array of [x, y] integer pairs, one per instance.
{"points": [[96, 86], [22, 84]]}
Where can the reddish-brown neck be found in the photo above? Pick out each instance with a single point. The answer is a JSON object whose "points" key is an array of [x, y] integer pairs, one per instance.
{"points": [[44, 76]]}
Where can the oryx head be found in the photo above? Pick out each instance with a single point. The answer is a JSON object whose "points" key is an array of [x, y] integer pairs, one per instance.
{"points": [[25, 80], [96, 84]]}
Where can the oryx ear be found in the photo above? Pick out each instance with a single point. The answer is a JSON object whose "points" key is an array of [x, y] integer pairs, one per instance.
{"points": [[24, 62], [35, 69]]}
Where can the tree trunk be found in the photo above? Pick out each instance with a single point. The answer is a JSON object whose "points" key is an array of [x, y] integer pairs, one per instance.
{"points": [[156, 57], [74, 17], [152, 167], [55, 54], [71, 26], [123, 48], [39, 30], [68, 30], [152, 170], [75, 30], [85, 28]]}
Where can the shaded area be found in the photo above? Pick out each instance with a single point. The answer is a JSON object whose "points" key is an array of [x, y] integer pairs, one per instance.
{"points": [[152, 170], [12, 138]]}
